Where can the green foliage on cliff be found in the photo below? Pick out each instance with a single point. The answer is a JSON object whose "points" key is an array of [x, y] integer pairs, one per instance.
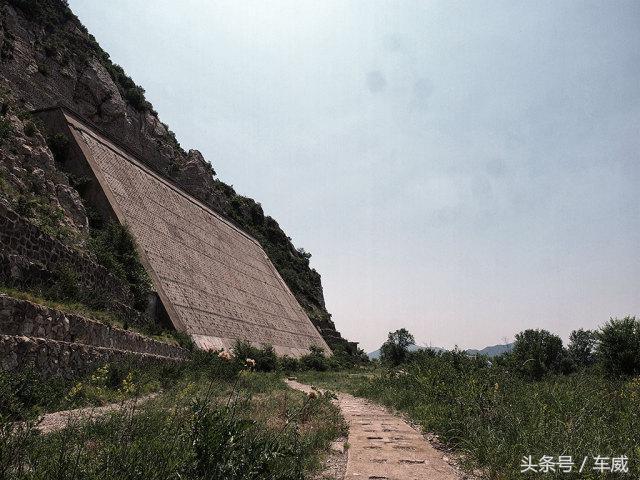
{"points": [[50, 218], [5, 130], [63, 43], [114, 248]]}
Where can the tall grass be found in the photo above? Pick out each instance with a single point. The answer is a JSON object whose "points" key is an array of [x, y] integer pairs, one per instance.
{"points": [[212, 421], [493, 418]]}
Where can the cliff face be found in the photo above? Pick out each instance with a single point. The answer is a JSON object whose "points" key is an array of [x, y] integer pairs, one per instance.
{"points": [[47, 57]]}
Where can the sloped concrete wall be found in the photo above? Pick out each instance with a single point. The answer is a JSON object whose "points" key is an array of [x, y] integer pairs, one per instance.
{"points": [[215, 281]]}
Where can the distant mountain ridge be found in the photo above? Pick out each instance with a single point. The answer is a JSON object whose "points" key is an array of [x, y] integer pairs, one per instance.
{"points": [[491, 351]]}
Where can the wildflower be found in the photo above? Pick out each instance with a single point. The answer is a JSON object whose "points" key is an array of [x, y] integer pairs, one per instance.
{"points": [[224, 355], [250, 363]]}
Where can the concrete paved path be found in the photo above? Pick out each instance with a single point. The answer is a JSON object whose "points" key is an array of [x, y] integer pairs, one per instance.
{"points": [[382, 446]]}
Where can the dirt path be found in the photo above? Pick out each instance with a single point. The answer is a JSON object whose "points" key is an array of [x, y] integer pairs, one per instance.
{"points": [[383, 446], [58, 420]]}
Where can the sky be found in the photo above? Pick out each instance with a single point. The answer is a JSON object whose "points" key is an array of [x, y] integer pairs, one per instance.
{"points": [[465, 170]]}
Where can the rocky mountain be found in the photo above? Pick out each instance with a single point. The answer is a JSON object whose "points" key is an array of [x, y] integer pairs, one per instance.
{"points": [[47, 57]]}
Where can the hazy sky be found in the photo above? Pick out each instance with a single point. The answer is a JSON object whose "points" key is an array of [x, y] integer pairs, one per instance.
{"points": [[463, 169]]}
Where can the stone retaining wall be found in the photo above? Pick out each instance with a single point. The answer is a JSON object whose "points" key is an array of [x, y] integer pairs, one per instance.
{"points": [[52, 357], [23, 318], [31, 257]]}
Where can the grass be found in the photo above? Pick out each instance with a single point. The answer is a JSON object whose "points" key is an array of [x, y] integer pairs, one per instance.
{"points": [[214, 420], [25, 395], [493, 418]]}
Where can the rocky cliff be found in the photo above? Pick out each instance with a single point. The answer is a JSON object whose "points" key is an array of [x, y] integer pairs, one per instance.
{"points": [[47, 58]]}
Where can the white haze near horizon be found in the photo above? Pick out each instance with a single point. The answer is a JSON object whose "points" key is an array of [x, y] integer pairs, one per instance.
{"points": [[462, 169]]}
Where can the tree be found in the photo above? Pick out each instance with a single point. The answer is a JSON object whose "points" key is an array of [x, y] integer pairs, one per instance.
{"points": [[394, 351], [619, 346], [538, 352], [581, 348]]}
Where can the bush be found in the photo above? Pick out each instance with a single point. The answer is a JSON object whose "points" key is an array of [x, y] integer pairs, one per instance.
{"points": [[619, 346], [537, 353], [50, 218], [24, 394], [6, 129], [315, 360], [265, 357], [59, 145], [114, 248], [184, 340], [29, 129], [289, 364], [135, 97]]}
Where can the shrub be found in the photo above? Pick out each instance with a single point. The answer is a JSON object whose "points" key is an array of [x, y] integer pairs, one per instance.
{"points": [[619, 346], [26, 393], [135, 97], [538, 352], [184, 340], [29, 129], [289, 364], [265, 357], [114, 248], [43, 69], [66, 286], [50, 218], [394, 351], [315, 360], [58, 144], [5, 130], [231, 447]]}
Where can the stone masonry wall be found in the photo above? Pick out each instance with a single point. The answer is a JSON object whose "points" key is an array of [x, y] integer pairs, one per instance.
{"points": [[57, 343], [28, 257], [23, 318], [68, 360]]}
